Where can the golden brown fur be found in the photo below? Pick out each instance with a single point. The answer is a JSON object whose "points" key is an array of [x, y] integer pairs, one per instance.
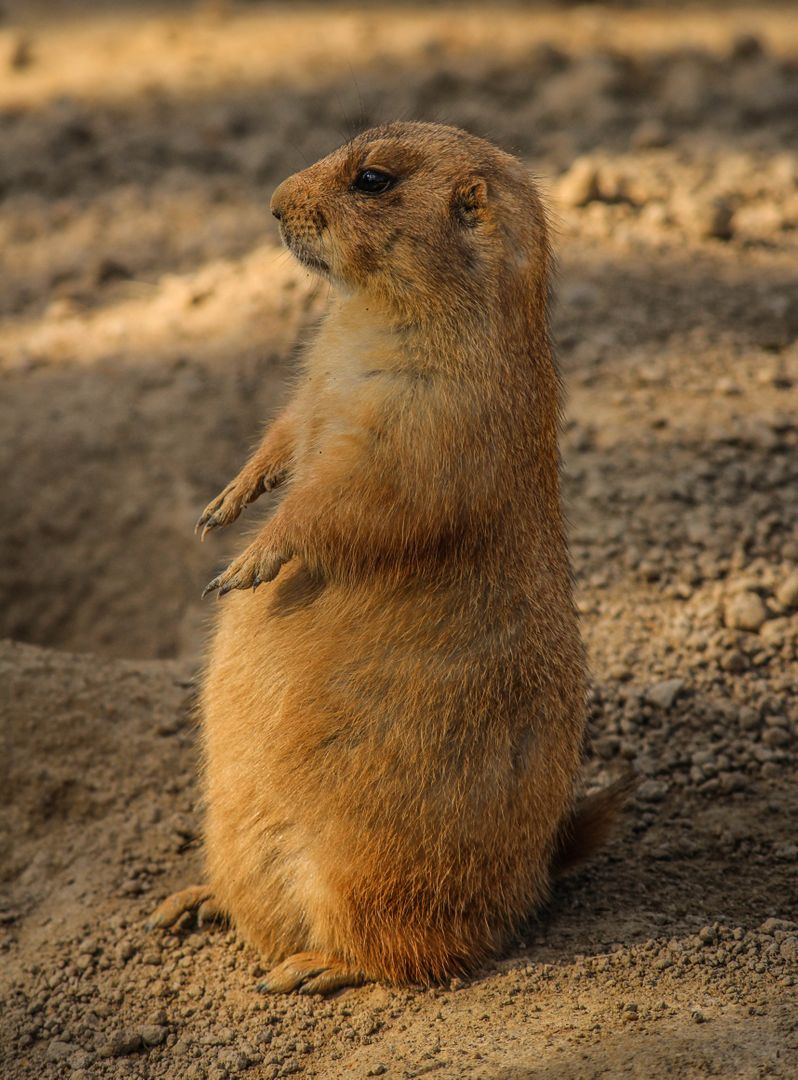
{"points": [[393, 725]]}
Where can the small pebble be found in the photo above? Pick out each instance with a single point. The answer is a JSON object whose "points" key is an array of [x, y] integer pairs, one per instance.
{"points": [[787, 592], [710, 219], [580, 185], [121, 1044], [59, 1051], [773, 925], [663, 694], [153, 1034], [650, 134], [745, 611], [125, 951], [653, 791]]}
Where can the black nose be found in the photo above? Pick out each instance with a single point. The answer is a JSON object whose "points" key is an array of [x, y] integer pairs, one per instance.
{"points": [[277, 213]]}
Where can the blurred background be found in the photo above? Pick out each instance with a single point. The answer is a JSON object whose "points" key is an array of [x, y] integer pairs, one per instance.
{"points": [[148, 319], [149, 327]]}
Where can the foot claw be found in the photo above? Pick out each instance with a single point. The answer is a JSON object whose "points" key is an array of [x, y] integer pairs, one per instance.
{"points": [[310, 973], [169, 911], [209, 912]]}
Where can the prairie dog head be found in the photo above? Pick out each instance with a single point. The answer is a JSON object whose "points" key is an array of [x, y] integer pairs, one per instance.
{"points": [[423, 218]]}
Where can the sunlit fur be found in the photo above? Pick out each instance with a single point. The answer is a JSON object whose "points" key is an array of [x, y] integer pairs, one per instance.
{"points": [[393, 726]]}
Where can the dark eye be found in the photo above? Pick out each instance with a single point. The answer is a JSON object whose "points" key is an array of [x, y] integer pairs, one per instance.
{"points": [[373, 181]]}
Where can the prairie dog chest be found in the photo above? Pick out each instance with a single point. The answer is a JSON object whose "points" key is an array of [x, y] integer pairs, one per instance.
{"points": [[353, 379]]}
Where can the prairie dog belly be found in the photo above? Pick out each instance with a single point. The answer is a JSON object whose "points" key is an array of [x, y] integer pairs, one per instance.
{"points": [[349, 731]]}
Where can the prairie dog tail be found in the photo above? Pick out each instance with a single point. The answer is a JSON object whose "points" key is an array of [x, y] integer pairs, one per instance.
{"points": [[589, 824]]}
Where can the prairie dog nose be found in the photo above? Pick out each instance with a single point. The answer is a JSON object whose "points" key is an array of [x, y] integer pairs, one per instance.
{"points": [[277, 204]]}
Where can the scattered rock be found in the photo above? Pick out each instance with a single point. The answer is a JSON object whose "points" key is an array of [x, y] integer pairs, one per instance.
{"points": [[773, 925], [652, 791], [153, 1034], [650, 134], [745, 611], [20, 52], [663, 694], [729, 782], [787, 592], [125, 951], [775, 736], [121, 1044], [776, 631], [110, 269], [706, 219], [580, 185], [746, 47], [59, 1051]]}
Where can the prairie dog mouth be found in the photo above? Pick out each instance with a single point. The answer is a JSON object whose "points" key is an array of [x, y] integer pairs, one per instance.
{"points": [[313, 262], [302, 254]]}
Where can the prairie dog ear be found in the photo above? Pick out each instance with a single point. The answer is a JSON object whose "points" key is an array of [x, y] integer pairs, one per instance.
{"points": [[470, 201]]}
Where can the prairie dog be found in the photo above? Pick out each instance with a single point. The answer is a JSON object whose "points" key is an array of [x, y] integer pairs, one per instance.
{"points": [[393, 720]]}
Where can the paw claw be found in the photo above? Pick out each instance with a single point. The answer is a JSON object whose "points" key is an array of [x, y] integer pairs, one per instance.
{"points": [[226, 507], [258, 564], [209, 523], [210, 587], [170, 910], [310, 973], [209, 912]]}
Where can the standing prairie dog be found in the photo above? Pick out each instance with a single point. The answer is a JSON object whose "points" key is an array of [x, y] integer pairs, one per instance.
{"points": [[393, 721]]}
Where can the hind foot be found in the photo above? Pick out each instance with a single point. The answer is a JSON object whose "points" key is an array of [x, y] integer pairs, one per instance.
{"points": [[196, 898], [310, 973]]}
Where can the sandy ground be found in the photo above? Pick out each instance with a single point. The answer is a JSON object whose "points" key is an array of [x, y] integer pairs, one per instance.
{"points": [[148, 327]]}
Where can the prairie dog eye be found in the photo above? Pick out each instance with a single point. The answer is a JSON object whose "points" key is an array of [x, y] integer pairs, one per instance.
{"points": [[373, 181]]}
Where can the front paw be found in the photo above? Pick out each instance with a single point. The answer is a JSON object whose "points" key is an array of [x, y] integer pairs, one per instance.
{"points": [[260, 562], [225, 508], [239, 493]]}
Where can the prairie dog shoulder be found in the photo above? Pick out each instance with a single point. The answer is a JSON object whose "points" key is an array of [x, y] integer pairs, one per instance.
{"points": [[434, 359]]}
